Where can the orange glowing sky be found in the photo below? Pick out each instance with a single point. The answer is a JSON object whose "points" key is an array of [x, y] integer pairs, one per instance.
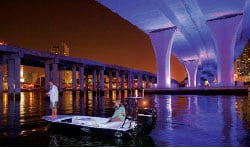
{"points": [[90, 30]]}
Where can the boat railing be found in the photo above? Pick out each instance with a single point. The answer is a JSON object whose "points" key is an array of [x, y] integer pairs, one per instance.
{"points": [[127, 118]]}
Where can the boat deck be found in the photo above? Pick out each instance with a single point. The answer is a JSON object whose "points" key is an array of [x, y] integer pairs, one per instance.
{"points": [[89, 121]]}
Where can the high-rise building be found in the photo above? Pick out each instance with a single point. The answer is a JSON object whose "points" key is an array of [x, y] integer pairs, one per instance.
{"points": [[3, 43], [243, 64], [60, 48]]}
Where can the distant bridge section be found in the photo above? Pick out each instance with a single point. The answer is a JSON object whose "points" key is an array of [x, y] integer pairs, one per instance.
{"points": [[54, 65]]}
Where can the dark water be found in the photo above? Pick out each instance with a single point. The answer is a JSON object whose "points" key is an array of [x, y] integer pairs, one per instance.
{"points": [[182, 120]]}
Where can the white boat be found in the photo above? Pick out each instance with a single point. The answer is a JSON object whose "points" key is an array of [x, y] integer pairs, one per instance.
{"points": [[143, 124]]}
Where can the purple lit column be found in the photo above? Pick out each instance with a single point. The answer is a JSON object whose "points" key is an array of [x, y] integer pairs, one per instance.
{"points": [[225, 32], [191, 68], [81, 78], [74, 78], [198, 76], [61, 78], [110, 80], [11, 63], [102, 80], [132, 81], [117, 80], [1, 77], [162, 43], [139, 83], [17, 75], [55, 73], [129, 81], [122, 81], [147, 81], [47, 75], [94, 80]]}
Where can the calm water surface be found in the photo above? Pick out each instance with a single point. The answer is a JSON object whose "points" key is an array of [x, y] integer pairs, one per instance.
{"points": [[183, 120]]}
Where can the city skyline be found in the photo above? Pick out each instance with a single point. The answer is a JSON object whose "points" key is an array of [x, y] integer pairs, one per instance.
{"points": [[90, 30]]}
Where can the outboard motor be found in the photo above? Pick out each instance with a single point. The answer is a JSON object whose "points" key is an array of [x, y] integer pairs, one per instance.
{"points": [[146, 120], [138, 109]]}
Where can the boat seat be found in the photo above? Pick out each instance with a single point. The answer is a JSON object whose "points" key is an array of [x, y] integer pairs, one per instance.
{"points": [[103, 124]]}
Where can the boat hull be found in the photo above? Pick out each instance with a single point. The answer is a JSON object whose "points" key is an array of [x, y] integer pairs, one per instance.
{"points": [[67, 126], [78, 130]]}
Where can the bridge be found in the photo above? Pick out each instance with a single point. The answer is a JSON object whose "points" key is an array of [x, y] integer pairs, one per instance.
{"points": [[54, 65], [205, 35]]}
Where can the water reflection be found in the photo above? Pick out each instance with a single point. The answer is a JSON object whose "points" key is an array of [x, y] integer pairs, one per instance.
{"points": [[97, 141], [200, 121], [190, 120]]}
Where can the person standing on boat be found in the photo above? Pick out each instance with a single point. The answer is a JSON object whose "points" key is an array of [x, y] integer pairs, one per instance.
{"points": [[119, 114], [53, 94]]}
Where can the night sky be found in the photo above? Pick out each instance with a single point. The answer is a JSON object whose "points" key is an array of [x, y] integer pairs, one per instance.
{"points": [[90, 30]]}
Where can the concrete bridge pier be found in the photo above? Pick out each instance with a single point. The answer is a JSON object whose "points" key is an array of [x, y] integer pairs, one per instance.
{"points": [[147, 81], [131, 86], [102, 81], [55, 73], [162, 41], [61, 78], [11, 70], [139, 82], [17, 76], [1, 76], [110, 82], [225, 33], [94, 82], [198, 76], [47, 75], [117, 75], [81, 79], [191, 68], [74, 79], [14, 84], [123, 78]]}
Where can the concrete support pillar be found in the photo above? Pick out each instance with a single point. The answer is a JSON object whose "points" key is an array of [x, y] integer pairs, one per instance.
{"points": [[55, 73], [11, 70], [110, 80], [225, 33], [47, 76], [123, 77], [61, 78], [191, 68], [81, 78], [129, 81], [147, 81], [162, 43], [17, 75], [139, 82], [87, 81], [132, 81], [1, 76], [198, 77], [102, 80], [117, 80], [74, 78], [94, 80]]}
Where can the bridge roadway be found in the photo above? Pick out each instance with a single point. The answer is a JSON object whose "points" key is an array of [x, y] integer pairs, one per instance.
{"points": [[54, 65]]}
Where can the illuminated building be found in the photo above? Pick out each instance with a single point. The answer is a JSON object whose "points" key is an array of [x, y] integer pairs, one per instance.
{"points": [[60, 48], [243, 64], [3, 43]]}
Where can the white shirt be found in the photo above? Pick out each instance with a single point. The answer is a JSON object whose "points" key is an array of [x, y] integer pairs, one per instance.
{"points": [[53, 93]]}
